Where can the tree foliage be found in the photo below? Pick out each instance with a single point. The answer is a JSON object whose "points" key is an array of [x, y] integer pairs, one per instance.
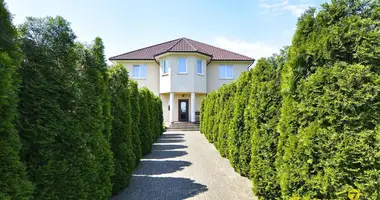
{"points": [[315, 129], [13, 179], [55, 145], [72, 132], [330, 112], [135, 112], [262, 116], [121, 141]]}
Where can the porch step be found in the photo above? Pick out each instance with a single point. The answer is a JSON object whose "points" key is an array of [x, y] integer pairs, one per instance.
{"points": [[183, 126]]}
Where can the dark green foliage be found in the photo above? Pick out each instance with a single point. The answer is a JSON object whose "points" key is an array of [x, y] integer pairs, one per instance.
{"points": [[145, 122], [137, 123], [135, 114], [262, 115], [101, 65], [151, 119], [92, 121], [328, 140], [324, 141], [121, 141], [13, 178], [66, 125], [64, 113], [56, 148]]}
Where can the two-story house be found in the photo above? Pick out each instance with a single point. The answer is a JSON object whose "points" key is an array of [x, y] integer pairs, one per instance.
{"points": [[182, 72]]}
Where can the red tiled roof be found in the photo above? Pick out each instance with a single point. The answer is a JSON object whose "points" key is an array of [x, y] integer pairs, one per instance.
{"points": [[181, 45]]}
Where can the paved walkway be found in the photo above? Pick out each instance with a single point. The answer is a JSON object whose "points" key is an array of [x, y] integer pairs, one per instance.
{"points": [[184, 165]]}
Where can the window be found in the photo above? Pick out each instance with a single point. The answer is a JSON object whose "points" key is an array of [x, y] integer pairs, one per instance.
{"points": [[199, 67], [182, 65], [165, 67], [139, 71], [225, 72]]}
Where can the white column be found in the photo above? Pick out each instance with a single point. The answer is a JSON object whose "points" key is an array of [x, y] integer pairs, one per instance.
{"points": [[171, 103], [192, 110]]}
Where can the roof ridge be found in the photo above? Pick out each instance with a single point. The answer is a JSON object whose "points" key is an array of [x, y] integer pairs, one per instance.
{"points": [[202, 50], [186, 40], [179, 39], [220, 48]]}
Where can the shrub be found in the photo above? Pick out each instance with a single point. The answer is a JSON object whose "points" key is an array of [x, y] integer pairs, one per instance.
{"points": [[336, 147], [226, 115], [135, 114], [121, 141], [13, 179], [92, 120], [325, 122], [56, 148], [262, 115], [239, 145], [145, 120]]}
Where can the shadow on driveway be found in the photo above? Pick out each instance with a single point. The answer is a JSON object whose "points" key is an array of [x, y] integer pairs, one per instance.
{"points": [[165, 154], [149, 167], [147, 185], [165, 188], [168, 147]]}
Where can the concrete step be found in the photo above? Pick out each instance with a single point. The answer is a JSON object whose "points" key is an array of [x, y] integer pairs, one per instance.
{"points": [[169, 130], [183, 126]]}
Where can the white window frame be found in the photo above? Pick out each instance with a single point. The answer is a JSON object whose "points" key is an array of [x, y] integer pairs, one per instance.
{"points": [[225, 72], [185, 66], [165, 63], [202, 73], [140, 70]]}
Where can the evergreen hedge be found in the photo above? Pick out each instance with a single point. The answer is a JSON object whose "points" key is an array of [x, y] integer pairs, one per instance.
{"points": [[263, 113], [136, 124], [92, 119], [328, 127], [311, 113], [13, 178], [135, 112], [75, 122], [55, 144], [121, 141]]}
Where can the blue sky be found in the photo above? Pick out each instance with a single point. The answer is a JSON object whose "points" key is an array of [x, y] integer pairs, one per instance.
{"points": [[255, 28]]}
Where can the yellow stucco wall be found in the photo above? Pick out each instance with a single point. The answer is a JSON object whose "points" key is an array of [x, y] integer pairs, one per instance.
{"points": [[214, 82], [152, 80], [179, 82]]}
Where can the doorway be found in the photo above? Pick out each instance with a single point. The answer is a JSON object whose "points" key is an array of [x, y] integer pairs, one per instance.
{"points": [[183, 110]]}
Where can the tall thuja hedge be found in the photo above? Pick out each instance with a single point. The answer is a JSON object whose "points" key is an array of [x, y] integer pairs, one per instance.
{"points": [[329, 126], [239, 145], [121, 140], [97, 51], [91, 118], [225, 115], [135, 114], [151, 119], [102, 148], [262, 116], [145, 122], [13, 178], [56, 149]]}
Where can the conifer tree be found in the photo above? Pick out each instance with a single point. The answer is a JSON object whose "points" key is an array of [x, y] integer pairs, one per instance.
{"points": [[13, 178], [121, 140], [135, 111], [56, 149]]}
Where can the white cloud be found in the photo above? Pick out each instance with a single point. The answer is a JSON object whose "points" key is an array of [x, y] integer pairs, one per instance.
{"points": [[276, 7], [254, 50]]}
